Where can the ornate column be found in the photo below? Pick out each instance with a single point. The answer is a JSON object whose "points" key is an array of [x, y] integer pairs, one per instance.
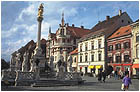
{"points": [[38, 50]]}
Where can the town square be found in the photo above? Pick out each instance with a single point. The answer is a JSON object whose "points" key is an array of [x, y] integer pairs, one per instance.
{"points": [[44, 50]]}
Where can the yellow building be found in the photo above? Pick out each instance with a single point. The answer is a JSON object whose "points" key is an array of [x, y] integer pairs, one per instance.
{"points": [[135, 47]]}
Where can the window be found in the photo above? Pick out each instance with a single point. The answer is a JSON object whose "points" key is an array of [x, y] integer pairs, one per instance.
{"points": [[122, 21], [75, 59], [74, 41], [86, 46], [61, 50], [68, 40], [99, 56], [80, 58], [92, 58], [92, 45], [126, 30], [118, 46], [99, 43], [110, 59], [126, 45], [110, 48], [137, 51], [63, 40], [126, 58], [137, 38], [80, 47], [62, 32], [128, 22], [118, 59], [85, 58], [118, 33]]}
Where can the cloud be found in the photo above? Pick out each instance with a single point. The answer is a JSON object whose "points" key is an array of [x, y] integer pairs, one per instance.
{"points": [[24, 25]]}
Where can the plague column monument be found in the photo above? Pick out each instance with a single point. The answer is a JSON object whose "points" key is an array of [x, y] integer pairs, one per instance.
{"points": [[38, 58]]}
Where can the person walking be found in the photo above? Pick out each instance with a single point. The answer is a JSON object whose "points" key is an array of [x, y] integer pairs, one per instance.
{"points": [[116, 74], [104, 76], [126, 81], [100, 76]]}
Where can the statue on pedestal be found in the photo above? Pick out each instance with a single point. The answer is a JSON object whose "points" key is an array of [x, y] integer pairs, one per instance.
{"points": [[32, 64], [40, 10], [70, 63], [25, 62], [18, 61]]}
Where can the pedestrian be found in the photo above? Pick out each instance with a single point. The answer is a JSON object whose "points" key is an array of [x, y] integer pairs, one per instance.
{"points": [[116, 74], [126, 80], [100, 76], [104, 76]]}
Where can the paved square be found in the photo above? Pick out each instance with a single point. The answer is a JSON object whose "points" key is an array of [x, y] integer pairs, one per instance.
{"points": [[91, 84]]}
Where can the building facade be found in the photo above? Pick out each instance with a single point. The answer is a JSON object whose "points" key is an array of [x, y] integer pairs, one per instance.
{"points": [[119, 49], [74, 55], [91, 51], [64, 40], [135, 47], [102, 30]]}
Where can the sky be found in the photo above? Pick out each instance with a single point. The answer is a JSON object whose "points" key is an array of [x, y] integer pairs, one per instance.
{"points": [[19, 19]]}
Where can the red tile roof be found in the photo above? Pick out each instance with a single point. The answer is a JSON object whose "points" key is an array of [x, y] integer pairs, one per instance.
{"points": [[126, 30], [107, 23], [74, 51], [78, 32]]}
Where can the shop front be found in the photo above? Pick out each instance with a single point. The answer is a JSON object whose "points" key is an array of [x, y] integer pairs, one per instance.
{"points": [[135, 68]]}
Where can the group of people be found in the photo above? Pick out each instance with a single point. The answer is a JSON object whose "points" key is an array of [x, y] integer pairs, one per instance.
{"points": [[119, 74], [126, 80]]}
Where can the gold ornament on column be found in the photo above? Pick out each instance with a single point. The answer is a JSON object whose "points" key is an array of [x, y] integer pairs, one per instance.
{"points": [[40, 10]]}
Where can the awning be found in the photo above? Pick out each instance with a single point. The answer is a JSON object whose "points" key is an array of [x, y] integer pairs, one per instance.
{"points": [[135, 66], [98, 66], [91, 67]]}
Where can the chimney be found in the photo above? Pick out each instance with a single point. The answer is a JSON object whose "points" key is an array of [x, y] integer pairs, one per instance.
{"points": [[72, 25], [120, 12], [82, 27], [107, 17], [67, 24]]}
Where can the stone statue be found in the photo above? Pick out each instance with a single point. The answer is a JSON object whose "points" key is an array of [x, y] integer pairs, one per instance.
{"points": [[18, 62], [40, 10], [32, 64], [51, 60], [60, 63], [12, 62], [25, 62], [70, 63]]}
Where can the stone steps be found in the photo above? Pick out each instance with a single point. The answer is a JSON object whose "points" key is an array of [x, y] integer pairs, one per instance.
{"points": [[52, 83]]}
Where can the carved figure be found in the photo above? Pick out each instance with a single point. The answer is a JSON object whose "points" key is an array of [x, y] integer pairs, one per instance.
{"points": [[25, 62], [70, 63], [32, 64], [18, 62]]}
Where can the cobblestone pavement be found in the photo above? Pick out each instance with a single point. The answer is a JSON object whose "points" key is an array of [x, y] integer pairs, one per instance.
{"points": [[91, 84]]}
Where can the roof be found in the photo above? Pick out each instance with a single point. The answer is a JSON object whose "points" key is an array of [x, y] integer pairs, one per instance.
{"points": [[106, 23], [78, 32], [126, 30], [74, 51], [92, 34], [106, 27]]}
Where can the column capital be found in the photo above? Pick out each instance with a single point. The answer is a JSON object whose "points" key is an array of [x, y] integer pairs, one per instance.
{"points": [[39, 19]]}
